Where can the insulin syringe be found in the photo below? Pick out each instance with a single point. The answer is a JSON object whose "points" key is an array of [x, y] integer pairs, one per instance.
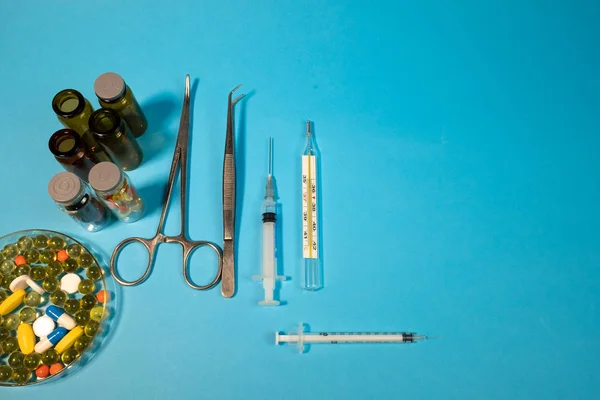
{"points": [[269, 249], [313, 274], [302, 338]]}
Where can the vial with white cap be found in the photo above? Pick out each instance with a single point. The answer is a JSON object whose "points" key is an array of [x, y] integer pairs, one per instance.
{"points": [[74, 197], [113, 93], [115, 189]]}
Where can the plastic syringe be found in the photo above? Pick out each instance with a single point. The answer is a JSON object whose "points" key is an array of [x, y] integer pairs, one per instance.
{"points": [[313, 274], [301, 338], [269, 249]]}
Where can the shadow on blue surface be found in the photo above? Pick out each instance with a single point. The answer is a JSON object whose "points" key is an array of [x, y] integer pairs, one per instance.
{"points": [[279, 251], [158, 111], [240, 175], [320, 234], [153, 195]]}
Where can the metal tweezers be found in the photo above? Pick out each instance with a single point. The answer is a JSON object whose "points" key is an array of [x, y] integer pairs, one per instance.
{"points": [[228, 271]]}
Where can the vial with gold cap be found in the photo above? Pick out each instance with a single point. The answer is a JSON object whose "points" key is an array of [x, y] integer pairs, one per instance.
{"points": [[113, 93]]}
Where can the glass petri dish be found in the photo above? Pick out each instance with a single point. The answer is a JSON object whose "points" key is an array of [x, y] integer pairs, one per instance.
{"points": [[56, 263]]}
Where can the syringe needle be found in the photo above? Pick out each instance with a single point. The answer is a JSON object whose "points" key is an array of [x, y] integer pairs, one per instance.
{"points": [[270, 168]]}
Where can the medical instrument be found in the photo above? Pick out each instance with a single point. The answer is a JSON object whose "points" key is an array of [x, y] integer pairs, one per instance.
{"points": [[229, 182], [74, 111], [269, 248], [115, 137], [113, 92], [180, 159], [313, 274], [74, 197], [301, 338], [116, 191]]}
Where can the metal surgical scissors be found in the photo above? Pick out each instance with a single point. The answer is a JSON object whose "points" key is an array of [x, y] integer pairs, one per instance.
{"points": [[180, 159]]}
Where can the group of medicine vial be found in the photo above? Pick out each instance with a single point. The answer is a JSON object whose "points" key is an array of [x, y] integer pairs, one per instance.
{"points": [[95, 149]]}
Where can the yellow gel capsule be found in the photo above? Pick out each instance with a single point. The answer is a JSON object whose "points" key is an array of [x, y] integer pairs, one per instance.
{"points": [[26, 338], [69, 339], [13, 301]]}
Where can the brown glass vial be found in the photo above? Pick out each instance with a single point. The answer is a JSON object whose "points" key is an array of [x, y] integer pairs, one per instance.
{"points": [[75, 198], [72, 153], [115, 137], [113, 93], [73, 111]]}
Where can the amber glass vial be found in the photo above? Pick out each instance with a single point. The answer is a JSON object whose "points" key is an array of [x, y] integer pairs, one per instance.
{"points": [[72, 153], [115, 137], [113, 93], [74, 111]]}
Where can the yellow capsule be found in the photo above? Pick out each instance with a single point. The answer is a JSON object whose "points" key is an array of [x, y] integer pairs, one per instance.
{"points": [[26, 338], [13, 301], [69, 339]]}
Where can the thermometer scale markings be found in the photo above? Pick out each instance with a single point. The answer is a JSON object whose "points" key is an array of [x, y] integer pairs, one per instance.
{"points": [[309, 207]]}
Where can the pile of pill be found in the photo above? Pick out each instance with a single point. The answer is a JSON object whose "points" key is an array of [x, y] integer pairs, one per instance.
{"points": [[52, 302], [124, 201]]}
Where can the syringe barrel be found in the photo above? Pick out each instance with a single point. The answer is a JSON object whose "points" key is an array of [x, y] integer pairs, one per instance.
{"points": [[268, 246]]}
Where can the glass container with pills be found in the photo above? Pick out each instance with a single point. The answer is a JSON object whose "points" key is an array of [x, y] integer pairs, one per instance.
{"points": [[56, 305], [115, 189]]}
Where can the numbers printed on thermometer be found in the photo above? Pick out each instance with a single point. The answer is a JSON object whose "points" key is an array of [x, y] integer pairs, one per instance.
{"points": [[309, 207]]}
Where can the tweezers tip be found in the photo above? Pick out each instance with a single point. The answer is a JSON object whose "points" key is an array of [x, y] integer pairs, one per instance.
{"points": [[236, 88], [187, 85]]}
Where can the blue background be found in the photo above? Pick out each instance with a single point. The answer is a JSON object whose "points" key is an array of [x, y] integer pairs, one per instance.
{"points": [[460, 190]]}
